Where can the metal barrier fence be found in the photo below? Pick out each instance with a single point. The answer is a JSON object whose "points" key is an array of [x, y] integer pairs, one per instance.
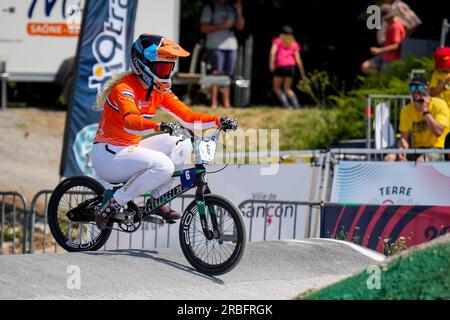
{"points": [[10, 222], [285, 206], [370, 154], [41, 223], [387, 110], [28, 225], [37, 237], [284, 219]]}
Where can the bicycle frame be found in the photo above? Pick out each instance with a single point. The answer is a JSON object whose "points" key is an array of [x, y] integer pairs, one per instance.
{"points": [[201, 184]]}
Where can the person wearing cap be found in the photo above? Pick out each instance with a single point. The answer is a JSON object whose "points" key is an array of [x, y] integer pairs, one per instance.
{"points": [[425, 121], [395, 35], [122, 152], [440, 81], [283, 60]]}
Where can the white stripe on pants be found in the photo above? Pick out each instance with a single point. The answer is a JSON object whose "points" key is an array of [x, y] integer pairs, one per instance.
{"points": [[146, 167]]}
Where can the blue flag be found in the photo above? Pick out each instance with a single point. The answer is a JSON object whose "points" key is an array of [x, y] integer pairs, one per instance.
{"points": [[103, 49]]}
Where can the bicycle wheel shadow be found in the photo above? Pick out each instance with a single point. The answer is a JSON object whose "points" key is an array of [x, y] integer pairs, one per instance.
{"points": [[151, 254]]}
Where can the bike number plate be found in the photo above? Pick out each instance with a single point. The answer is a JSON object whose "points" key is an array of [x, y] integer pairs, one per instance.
{"points": [[188, 177], [207, 150]]}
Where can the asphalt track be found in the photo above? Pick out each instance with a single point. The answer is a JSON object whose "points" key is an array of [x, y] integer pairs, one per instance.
{"points": [[276, 270]]}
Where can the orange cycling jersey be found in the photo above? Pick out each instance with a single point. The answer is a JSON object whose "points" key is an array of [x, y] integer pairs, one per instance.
{"points": [[127, 115]]}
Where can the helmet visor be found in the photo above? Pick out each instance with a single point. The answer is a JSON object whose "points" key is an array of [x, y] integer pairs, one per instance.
{"points": [[162, 70]]}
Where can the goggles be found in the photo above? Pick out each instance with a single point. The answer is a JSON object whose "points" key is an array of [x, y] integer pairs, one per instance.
{"points": [[161, 69], [417, 87]]}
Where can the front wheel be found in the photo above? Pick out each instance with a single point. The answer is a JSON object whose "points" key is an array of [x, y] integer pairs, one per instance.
{"points": [[71, 214], [222, 253]]}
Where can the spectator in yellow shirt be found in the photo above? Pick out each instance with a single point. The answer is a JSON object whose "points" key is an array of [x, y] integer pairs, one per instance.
{"points": [[440, 81], [426, 121]]}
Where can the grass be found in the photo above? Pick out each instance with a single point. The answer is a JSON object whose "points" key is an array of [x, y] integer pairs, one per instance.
{"points": [[421, 273], [303, 129]]}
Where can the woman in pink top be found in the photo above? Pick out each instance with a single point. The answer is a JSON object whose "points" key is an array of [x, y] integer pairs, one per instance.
{"points": [[284, 57]]}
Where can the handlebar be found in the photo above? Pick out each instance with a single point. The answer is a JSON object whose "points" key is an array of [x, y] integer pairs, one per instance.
{"points": [[175, 128], [191, 135], [196, 141]]}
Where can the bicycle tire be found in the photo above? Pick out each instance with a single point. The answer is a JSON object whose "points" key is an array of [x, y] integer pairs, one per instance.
{"points": [[60, 191], [188, 245]]}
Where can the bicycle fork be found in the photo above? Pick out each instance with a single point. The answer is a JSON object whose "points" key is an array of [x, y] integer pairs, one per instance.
{"points": [[202, 189]]}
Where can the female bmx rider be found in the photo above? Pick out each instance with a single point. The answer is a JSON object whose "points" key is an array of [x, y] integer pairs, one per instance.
{"points": [[129, 102]]}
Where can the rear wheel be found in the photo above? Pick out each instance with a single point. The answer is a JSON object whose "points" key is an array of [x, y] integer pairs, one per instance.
{"points": [[71, 214], [222, 253]]}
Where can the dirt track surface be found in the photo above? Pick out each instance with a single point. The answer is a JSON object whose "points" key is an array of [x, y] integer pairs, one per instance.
{"points": [[30, 149], [275, 270]]}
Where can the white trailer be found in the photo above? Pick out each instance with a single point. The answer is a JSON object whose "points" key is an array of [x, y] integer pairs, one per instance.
{"points": [[38, 38]]}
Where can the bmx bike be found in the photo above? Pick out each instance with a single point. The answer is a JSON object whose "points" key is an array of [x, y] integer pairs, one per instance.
{"points": [[212, 232]]}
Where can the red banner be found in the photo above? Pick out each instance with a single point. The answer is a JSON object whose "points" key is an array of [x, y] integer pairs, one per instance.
{"points": [[378, 227]]}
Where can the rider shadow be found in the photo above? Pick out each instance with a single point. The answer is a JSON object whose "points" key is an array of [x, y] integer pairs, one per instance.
{"points": [[149, 254]]}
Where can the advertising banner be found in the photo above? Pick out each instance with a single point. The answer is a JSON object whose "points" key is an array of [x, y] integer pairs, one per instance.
{"points": [[379, 227], [38, 35], [398, 183], [103, 49]]}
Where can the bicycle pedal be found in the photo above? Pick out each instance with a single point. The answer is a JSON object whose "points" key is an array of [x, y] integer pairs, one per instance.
{"points": [[154, 219], [170, 221]]}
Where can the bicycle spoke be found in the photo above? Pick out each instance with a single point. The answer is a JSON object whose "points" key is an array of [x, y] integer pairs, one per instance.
{"points": [[80, 233], [210, 251], [219, 253]]}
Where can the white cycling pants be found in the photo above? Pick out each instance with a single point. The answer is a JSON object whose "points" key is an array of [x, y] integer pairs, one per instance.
{"points": [[146, 167]]}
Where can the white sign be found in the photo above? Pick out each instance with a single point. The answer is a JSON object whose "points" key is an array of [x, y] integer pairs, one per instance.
{"points": [[399, 183], [36, 36]]}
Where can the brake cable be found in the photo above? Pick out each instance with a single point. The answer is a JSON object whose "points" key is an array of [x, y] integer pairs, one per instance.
{"points": [[227, 162]]}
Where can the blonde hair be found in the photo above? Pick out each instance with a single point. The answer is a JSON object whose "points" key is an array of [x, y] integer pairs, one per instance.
{"points": [[103, 95], [287, 39]]}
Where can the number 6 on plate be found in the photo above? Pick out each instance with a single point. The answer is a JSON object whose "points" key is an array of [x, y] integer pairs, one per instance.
{"points": [[187, 177]]}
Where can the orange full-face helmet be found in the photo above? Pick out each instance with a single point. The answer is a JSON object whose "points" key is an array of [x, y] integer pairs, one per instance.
{"points": [[153, 59]]}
